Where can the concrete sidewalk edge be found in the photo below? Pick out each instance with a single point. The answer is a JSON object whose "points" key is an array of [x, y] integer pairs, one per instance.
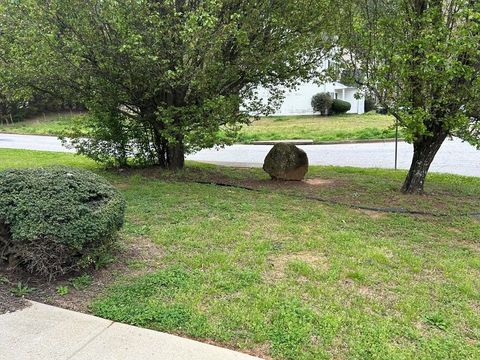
{"points": [[45, 332]]}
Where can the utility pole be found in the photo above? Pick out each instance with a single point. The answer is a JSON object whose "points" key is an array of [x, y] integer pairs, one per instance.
{"points": [[396, 144]]}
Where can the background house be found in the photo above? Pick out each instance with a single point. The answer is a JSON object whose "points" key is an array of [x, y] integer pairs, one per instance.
{"points": [[298, 101]]}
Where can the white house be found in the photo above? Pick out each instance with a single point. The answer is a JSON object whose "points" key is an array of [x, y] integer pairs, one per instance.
{"points": [[298, 101]]}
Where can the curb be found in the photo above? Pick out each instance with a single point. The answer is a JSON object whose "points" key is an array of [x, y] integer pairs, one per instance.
{"points": [[312, 142], [19, 134]]}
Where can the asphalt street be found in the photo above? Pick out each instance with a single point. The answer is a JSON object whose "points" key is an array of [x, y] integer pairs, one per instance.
{"points": [[455, 156]]}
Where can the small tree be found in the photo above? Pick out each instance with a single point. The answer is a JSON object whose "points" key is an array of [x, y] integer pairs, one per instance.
{"points": [[160, 78], [322, 103], [421, 59]]}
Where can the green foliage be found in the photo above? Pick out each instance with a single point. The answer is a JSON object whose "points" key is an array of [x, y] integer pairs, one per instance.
{"points": [[421, 59], [21, 289], [59, 124], [340, 106], [244, 284], [160, 78], [62, 290], [81, 282], [331, 128], [436, 320], [370, 104], [13, 110], [322, 103], [57, 219], [422, 65]]}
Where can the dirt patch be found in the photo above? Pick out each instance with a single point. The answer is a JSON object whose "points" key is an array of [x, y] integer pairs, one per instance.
{"points": [[8, 302], [319, 182], [122, 186], [136, 256], [373, 214], [278, 264], [378, 293]]}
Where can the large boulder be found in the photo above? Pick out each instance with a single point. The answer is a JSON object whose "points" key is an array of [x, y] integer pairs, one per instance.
{"points": [[286, 162]]}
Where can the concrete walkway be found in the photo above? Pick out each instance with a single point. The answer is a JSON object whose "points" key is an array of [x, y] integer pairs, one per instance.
{"points": [[43, 332], [454, 157]]}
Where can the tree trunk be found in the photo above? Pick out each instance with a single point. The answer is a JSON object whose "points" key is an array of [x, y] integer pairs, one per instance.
{"points": [[424, 151], [176, 155]]}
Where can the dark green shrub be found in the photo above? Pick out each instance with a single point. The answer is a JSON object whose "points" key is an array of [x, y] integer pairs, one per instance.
{"points": [[57, 219], [382, 110], [322, 103], [340, 106], [370, 104]]}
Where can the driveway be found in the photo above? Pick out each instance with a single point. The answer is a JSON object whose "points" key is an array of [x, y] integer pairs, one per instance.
{"points": [[455, 156]]}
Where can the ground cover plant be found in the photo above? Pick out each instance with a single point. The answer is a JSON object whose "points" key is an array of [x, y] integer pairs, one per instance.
{"points": [[274, 274]]}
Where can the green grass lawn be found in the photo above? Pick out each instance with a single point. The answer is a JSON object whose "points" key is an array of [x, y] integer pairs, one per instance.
{"points": [[52, 124], [274, 274], [320, 128]]}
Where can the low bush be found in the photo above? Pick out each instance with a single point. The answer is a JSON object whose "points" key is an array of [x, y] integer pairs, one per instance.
{"points": [[340, 106], [370, 104], [381, 110], [58, 219], [322, 103]]}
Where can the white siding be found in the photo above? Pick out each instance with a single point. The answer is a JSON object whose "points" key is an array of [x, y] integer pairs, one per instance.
{"points": [[298, 101]]}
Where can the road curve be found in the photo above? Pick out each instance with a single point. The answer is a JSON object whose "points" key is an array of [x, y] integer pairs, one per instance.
{"points": [[455, 156]]}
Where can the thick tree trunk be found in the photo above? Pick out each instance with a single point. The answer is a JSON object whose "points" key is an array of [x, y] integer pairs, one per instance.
{"points": [[424, 151], [176, 155], [170, 155]]}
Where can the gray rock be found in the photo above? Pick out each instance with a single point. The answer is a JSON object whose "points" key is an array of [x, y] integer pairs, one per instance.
{"points": [[286, 162]]}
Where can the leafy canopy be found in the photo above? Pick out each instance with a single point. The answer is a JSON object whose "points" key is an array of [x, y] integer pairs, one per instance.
{"points": [[160, 77], [421, 58]]}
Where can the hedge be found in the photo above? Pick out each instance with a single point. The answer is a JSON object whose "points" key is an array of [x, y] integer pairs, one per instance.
{"points": [[340, 106], [58, 219]]}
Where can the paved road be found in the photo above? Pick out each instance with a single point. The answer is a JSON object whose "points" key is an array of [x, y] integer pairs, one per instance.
{"points": [[32, 142], [454, 157]]}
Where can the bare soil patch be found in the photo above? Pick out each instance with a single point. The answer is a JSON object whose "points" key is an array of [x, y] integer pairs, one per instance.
{"points": [[278, 264], [140, 250], [8, 302]]}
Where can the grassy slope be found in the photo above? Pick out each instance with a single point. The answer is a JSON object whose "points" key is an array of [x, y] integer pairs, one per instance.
{"points": [[339, 127], [292, 278], [53, 124]]}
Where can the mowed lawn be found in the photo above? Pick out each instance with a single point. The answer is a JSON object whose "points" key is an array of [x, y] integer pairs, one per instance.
{"points": [[280, 276], [318, 128], [51, 124]]}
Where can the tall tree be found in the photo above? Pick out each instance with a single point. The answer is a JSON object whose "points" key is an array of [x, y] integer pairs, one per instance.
{"points": [[160, 77], [421, 58]]}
